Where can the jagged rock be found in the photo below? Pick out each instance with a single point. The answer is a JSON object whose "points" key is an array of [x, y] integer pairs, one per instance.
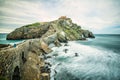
{"points": [[57, 43], [45, 47], [62, 37], [88, 34], [48, 64], [91, 35]]}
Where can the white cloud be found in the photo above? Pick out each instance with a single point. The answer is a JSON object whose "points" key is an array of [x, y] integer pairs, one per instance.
{"points": [[96, 14], [93, 15], [5, 30]]}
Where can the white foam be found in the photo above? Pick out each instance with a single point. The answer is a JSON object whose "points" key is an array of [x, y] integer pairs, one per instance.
{"points": [[91, 62]]}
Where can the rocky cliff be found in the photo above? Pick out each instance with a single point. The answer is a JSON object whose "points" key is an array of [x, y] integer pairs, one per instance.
{"points": [[63, 26], [26, 60]]}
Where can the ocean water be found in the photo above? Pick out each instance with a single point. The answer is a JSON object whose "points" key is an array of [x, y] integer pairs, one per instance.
{"points": [[4, 41], [98, 59]]}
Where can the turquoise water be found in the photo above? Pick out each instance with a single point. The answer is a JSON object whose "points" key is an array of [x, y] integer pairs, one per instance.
{"points": [[4, 41], [98, 59], [107, 41]]}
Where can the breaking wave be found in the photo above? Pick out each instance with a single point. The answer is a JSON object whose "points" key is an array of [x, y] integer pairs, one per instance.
{"points": [[91, 63]]}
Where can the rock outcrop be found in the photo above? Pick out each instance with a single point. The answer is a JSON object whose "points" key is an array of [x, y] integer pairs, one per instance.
{"points": [[63, 27], [25, 61], [4, 45]]}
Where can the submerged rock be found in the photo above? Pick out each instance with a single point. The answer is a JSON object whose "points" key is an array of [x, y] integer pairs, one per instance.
{"points": [[66, 44], [55, 55], [76, 54], [65, 50]]}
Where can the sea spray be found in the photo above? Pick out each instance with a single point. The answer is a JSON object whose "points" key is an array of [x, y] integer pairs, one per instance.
{"points": [[90, 64]]}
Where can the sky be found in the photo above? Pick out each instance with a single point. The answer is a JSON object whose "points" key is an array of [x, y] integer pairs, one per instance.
{"points": [[98, 16]]}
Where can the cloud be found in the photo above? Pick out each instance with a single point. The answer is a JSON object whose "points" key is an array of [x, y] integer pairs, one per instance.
{"points": [[94, 15], [23, 9], [5, 30], [16, 13]]}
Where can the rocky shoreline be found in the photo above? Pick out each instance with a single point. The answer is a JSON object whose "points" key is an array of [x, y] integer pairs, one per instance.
{"points": [[26, 61], [4, 45]]}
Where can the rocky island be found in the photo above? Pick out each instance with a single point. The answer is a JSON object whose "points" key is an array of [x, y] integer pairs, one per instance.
{"points": [[26, 60]]}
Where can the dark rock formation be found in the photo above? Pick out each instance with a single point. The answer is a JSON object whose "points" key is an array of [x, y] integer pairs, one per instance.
{"points": [[76, 54], [16, 74], [65, 50], [88, 34], [26, 60], [4, 45]]}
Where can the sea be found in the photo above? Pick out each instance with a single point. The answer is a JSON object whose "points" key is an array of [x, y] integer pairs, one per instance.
{"points": [[3, 40], [96, 59]]}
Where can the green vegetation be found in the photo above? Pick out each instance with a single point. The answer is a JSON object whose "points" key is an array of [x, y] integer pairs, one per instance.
{"points": [[72, 32], [32, 25]]}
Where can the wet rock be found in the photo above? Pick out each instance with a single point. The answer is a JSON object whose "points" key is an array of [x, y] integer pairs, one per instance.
{"points": [[55, 71], [48, 64], [59, 64], [88, 34], [45, 69], [57, 43], [76, 54], [66, 44], [44, 56], [55, 55], [49, 57], [4, 45], [65, 50]]}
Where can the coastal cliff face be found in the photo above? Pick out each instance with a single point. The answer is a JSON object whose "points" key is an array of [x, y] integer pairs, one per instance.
{"points": [[26, 60], [63, 26]]}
